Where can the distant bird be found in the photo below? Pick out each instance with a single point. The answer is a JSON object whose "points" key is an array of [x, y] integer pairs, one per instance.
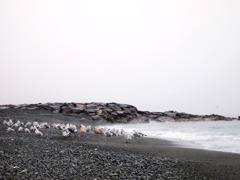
{"points": [[108, 133], [44, 125], [38, 133], [10, 129], [114, 132], [118, 132], [27, 130], [102, 129], [5, 123], [72, 128], [57, 126], [22, 124], [28, 124], [137, 134], [53, 124], [65, 132], [33, 128], [127, 137], [122, 132], [18, 123], [15, 125], [10, 122], [36, 124], [88, 128], [96, 130], [82, 129], [20, 129]]}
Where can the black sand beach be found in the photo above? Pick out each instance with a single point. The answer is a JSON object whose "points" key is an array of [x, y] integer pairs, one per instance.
{"points": [[90, 156]]}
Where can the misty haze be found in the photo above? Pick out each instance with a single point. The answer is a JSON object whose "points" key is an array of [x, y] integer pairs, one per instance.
{"points": [[158, 55], [130, 89]]}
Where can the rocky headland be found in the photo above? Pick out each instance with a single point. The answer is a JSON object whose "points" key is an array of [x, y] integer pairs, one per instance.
{"points": [[115, 112]]}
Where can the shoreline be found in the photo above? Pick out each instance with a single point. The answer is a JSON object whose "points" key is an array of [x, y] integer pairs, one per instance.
{"points": [[90, 156], [161, 147], [208, 135], [186, 145]]}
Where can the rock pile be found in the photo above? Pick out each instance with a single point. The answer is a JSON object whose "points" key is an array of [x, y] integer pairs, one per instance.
{"points": [[112, 112], [115, 112], [173, 116]]}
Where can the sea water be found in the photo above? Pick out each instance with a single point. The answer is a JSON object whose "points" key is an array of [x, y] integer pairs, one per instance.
{"points": [[210, 135]]}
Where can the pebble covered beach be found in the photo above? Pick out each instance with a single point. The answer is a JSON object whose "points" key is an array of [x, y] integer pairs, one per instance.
{"points": [[89, 156]]}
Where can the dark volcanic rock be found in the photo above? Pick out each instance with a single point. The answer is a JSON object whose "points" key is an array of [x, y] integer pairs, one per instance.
{"points": [[165, 118], [77, 110], [90, 110], [153, 115], [96, 118], [114, 112], [184, 115], [66, 110], [108, 110], [120, 112], [172, 114], [4, 107]]}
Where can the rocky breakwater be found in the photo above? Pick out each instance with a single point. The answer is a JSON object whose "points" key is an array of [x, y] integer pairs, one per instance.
{"points": [[174, 116], [115, 112], [112, 112]]}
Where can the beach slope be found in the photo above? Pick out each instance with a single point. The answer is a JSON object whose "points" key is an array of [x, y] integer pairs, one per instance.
{"points": [[90, 156]]}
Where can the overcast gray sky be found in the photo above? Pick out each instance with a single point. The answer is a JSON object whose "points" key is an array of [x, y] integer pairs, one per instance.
{"points": [[158, 55]]}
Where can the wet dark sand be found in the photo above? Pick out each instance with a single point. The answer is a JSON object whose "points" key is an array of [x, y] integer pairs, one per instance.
{"points": [[90, 156]]}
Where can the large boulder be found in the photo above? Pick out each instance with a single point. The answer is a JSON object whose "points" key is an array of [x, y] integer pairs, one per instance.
{"points": [[108, 110], [120, 112], [90, 110], [172, 114], [144, 113], [164, 119], [91, 106], [80, 106], [77, 110], [4, 107], [196, 119], [184, 115], [66, 110], [96, 118], [55, 107]]}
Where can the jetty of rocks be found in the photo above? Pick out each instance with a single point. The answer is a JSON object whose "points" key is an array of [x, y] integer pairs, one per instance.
{"points": [[115, 112]]}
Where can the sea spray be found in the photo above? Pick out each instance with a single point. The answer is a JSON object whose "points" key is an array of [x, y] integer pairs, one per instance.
{"points": [[210, 135]]}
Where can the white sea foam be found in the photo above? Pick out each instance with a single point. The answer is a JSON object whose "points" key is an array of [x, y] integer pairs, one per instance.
{"points": [[211, 135]]}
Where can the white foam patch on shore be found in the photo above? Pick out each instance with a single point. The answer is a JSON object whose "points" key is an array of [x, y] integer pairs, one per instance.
{"points": [[210, 135]]}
